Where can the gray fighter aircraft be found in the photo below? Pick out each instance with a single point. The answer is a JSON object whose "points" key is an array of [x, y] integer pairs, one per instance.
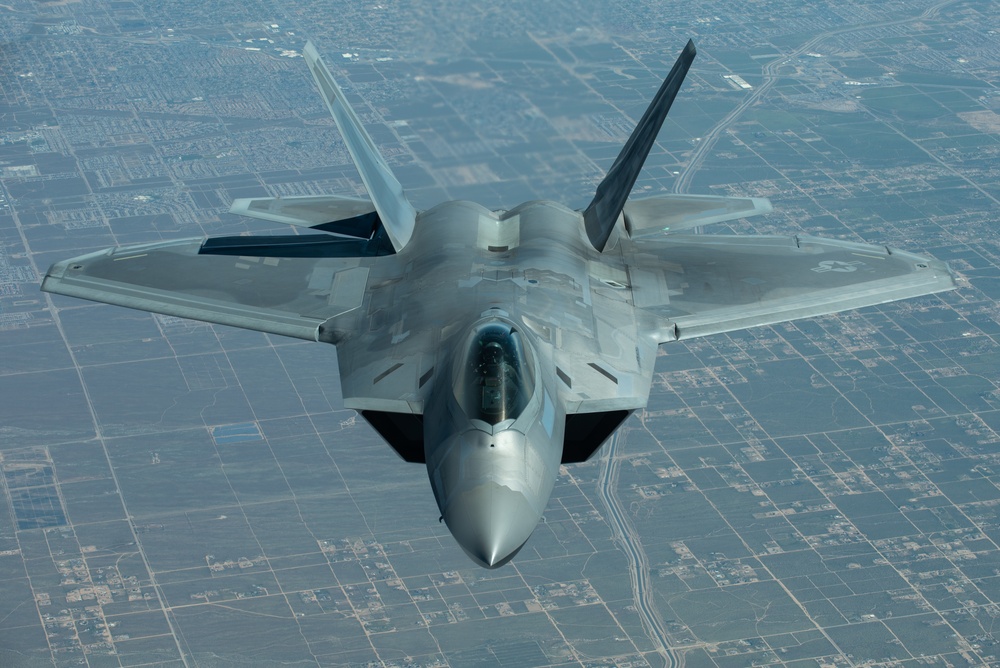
{"points": [[494, 346]]}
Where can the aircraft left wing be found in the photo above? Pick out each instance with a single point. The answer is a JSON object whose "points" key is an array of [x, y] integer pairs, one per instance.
{"points": [[720, 283], [287, 296]]}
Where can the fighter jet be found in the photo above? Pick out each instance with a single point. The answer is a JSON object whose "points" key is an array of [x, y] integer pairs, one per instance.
{"points": [[495, 345]]}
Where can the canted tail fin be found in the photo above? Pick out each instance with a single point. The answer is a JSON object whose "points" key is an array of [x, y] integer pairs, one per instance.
{"points": [[602, 214], [395, 211]]}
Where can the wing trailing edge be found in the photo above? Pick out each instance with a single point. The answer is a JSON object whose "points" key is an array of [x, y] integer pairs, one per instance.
{"points": [[396, 213], [602, 213]]}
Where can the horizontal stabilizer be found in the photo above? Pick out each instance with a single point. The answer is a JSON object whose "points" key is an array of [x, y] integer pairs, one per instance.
{"points": [[600, 217], [309, 211], [397, 214], [667, 214]]}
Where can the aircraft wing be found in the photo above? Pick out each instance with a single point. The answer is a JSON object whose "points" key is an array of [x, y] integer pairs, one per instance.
{"points": [[287, 296], [720, 283], [311, 298]]}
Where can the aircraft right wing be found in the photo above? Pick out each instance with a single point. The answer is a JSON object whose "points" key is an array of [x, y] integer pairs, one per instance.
{"points": [[720, 283]]}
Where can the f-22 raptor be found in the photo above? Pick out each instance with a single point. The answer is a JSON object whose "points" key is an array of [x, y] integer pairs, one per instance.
{"points": [[494, 346]]}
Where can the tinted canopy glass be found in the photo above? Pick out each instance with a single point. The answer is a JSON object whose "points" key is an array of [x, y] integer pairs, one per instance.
{"points": [[497, 378]]}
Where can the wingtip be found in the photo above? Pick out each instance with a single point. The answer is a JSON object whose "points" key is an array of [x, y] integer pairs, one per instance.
{"points": [[240, 206], [761, 205]]}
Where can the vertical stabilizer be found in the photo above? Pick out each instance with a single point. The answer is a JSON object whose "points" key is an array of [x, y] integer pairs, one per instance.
{"points": [[396, 213], [600, 217]]}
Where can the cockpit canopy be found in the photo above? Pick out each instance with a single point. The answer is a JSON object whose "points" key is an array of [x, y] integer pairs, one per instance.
{"points": [[497, 378]]}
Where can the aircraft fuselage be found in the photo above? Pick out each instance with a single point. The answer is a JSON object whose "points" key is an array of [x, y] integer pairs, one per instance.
{"points": [[493, 418]]}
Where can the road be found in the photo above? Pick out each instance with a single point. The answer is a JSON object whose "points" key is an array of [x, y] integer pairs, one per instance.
{"points": [[770, 77], [625, 535]]}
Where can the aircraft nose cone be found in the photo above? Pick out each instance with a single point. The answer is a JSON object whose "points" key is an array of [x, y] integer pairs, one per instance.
{"points": [[491, 523]]}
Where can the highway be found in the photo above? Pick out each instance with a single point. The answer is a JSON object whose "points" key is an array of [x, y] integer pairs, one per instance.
{"points": [[626, 536], [770, 74]]}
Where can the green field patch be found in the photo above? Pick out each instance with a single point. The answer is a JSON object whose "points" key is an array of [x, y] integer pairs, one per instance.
{"points": [[957, 100], [871, 143], [939, 79], [777, 120], [860, 70], [976, 140], [735, 612], [905, 102], [923, 634], [868, 642]]}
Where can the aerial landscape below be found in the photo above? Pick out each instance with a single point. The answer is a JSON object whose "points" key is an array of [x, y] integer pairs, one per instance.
{"points": [[812, 493]]}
